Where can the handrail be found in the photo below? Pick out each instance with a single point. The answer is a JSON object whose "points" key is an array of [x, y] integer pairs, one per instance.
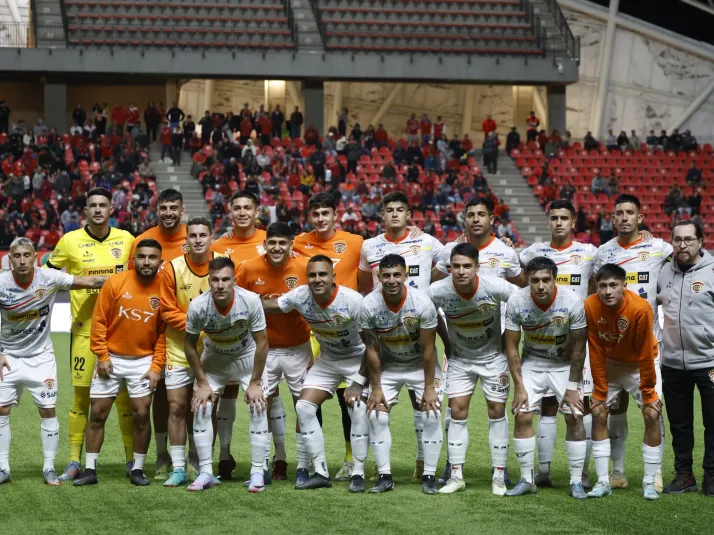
{"points": [[321, 28], [65, 20], [572, 43], [292, 25]]}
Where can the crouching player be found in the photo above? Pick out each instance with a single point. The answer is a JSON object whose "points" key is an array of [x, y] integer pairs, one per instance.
{"points": [[623, 349], [128, 337], [27, 360], [235, 350]]}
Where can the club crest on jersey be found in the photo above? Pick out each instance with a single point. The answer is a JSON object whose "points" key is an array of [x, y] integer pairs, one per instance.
{"points": [[484, 308], [40, 293], [576, 259], [414, 249], [492, 263], [623, 323], [643, 256], [340, 247], [409, 321], [559, 321], [185, 248], [503, 379], [291, 281], [437, 383], [338, 320], [49, 384], [241, 324], [697, 287], [116, 252], [154, 302]]}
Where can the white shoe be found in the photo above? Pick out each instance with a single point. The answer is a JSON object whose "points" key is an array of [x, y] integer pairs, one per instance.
{"points": [[658, 483], [452, 486], [498, 485], [345, 473]]}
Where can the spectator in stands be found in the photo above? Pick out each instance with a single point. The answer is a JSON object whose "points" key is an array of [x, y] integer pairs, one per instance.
{"points": [[635, 143], [581, 220], [206, 124], [73, 223], [599, 185], [132, 117], [549, 193], [100, 112], [189, 128], [675, 140], [448, 220], [318, 161], [542, 139], [694, 176], [590, 143], [611, 141], [567, 139], [567, 192], [349, 218], [245, 129], [513, 139], [176, 145], [296, 120], [663, 140], [352, 152], [341, 145], [432, 163], [174, 115], [75, 129], [412, 129], [260, 112], [694, 202], [490, 153], [689, 142], [249, 151], [466, 145], [381, 137], [488, 126], [480, 184], [425, 127], [5, 112], [329, 147], [118, 117], [438, 129], [277, 119], [505, 230], [145, 170], [622, 142], [152, 119], [613, 185], [342, 118], [166, 135], [605, 228], [265, 128], [389, 173], [79, 116], [552, 147], [673, 200], [652, 140], [532, 124], [357, 133], [312, 136]]}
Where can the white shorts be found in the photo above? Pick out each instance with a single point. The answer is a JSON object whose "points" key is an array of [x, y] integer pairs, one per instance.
{"points": [[587, 385], [329, 372], [393, 378], [537, 383], [37, 374], [178, 377], [222, 370], [291, 363], [625, 376], [462, 377], [127, 371]]}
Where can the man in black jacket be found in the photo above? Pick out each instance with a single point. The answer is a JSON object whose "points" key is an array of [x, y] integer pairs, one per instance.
{"points": [[174, 116], [278, 119], [176, 146], [79, 116]]}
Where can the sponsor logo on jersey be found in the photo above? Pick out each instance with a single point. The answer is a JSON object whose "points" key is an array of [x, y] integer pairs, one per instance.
{"points": [[414, 249], [568, 279], [559, 321], [291, 281], [602, 321], [697, 287], [638, 277], [186, 286], [259, 282], [185, 248], [135, 314], [409, 321], [49, 384], [576, 260], [101, 271], [229, 251], [116, 252], [546, 339], [340, 247], [413, 271], [154, 302], [40, 293], [474, 324], [29, 315], [126, 295], [622, 323]]}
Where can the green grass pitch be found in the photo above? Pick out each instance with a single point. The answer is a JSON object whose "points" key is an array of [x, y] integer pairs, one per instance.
{"points": [[114, 506]]}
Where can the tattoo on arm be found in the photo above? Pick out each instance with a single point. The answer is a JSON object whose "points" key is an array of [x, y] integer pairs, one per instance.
{"points": [[578, 338]]}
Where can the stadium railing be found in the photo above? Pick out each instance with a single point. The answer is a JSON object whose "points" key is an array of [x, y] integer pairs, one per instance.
{"points": [[21, 35], [572, 43]]}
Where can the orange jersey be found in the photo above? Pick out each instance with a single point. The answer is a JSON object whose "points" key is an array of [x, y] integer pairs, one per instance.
{"points": [[257, 275], [126, 320], [623, 334], [343, 248], [171, 245], [240, 249]]}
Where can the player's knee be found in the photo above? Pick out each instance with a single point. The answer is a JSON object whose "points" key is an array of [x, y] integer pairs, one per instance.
{"points": [[45, 412], [81, 400], [100, 412], [177, 410], [549, 406], [651, 416], [522, 420], [496, 410], [306, 411], [600, 414], [5, 411], [358, 411]]}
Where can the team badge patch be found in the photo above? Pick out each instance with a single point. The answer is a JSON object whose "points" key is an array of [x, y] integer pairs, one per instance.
{"points": [[241, 324], [415, 249], [291, 281], [185, 248], [437, 383], [49, 384], [492, 263], [623, 323], [154, 302], [340, 247], [503, 379], [644, 256], [576, 259], [338, 320], [559, 321], [409, 321], [483, 308], [116, 252], [697, 287], [40, 293]]}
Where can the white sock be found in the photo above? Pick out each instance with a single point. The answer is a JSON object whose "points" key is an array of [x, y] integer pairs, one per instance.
{"points": [[419, 430], [258, 439], [268, 445], [525, 453], [432, 438], [49, 434], [650, 455], [359, 437], [588, 425], [547, 431], [617, 426], [178, 456], [139, 459], [203, 438], [457, 444], [277, 426], [225, 418], [5, 443], [303, 458], [498, 441], [90, 461], [601, 455], [576, 459], [447, 423], [161, 441], [312, 435], [381, 440]]}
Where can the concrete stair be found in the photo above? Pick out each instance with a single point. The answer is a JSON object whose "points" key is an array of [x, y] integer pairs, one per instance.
{"points": [[49, 32], [308, 33]]}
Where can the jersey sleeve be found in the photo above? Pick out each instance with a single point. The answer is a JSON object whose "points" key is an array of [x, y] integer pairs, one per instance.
{"points": [[514, 269], [241, 279], [667, 250], [100, 322], [504, 290], [170, 312], [437, 251], [363, 262], [444, 260], [512, 320], [256, 315], [193, 319], [577, 316], [356, 313], [60, 255], [434, 296], [599, 262], [524, 256], [287, 302], [596, 353], [428, 316], [63, 281], [365, 318]]}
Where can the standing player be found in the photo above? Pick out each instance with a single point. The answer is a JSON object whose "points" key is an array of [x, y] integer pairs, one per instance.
{"points": [[235, 350], [344, 249], [333, 312], [472, 338], [642, 260], [399, 328], [553, 356], [171, 235], [622, 355], [27, 360], [182, 280], [96, 249], [575, 262], [129, 341], [290, 355]]}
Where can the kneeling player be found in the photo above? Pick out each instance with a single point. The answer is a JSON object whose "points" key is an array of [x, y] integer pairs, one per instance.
{"points": [[623, 349], [472, 306], [403, 323], [553, 355], [235, 350], [128, 337], [27, 360], [333, 312]]}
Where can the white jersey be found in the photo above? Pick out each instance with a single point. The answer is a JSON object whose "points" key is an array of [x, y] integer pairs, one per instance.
{"points": [[26, 312], [495, 258], [398, 329], [546, 332], [474, 322], [643, 261], [228, 334], [575, 263], [336, 326], [419, 253]]}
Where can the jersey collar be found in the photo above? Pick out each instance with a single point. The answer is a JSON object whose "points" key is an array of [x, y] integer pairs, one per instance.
{"points": [[563, 248], [398, 307], [95, 238], [628, 245], [398, 240], [225, 311], [489, 242], [21, 285], [547, 306], [332, 298], [465, 296]]}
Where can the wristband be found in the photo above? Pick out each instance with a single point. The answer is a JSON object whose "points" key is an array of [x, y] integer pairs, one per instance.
{"points": [[361, 380], [572, 385]]}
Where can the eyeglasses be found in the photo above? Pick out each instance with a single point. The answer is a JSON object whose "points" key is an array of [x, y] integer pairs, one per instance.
{"points": [[688, 241]]}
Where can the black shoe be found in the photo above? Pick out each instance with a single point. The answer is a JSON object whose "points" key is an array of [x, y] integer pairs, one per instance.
{"points": [[89, 477], [225, 469], [708, 484], [138, 478], [384, 484], [357, 484], [428, 485], [316, 481], [682, 482]]}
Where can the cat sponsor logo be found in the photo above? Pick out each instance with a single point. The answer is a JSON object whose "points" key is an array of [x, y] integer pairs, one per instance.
{"points": [[637, 277], [569, 279]]}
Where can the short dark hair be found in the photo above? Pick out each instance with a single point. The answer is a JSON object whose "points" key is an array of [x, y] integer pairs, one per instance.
{"points": [[392, 261], [243, 193], [320, 258], [395, 196], [221, 262], [465, 249], [488, 203], [541, 263], [279, 230], [196, 221], [611, 271], [322, 200], [626, 197], [100, 191], [562, 204], [149, 242], [169, 195], [697, 227]]}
